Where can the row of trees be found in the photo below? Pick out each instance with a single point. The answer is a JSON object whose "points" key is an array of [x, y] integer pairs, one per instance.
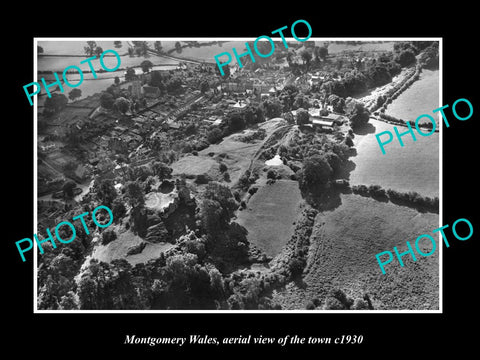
{"points": [[392, 119], [410, 198], [375, 72], [392, 93]]}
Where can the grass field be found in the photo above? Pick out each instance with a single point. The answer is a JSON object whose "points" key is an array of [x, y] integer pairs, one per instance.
{"points": [[420, 98], [270, 214], [414, 167], [342, 253]]}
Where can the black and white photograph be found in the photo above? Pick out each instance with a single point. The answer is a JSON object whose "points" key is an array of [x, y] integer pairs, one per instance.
{"points": [[297, 180], [239, 184]]}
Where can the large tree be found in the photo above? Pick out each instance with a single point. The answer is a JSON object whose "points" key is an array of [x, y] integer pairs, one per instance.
{"points": [[306, 57], [90, 48], [74, 94], [204, 86], [134, 193], [156, 79], [337, 102], [321, 52], [272, 108], [174, 85], [178, 46], [121, 104], [235, 122], [68, 187], [107, 100], [221, 193], [357, 113], [315, 174], [213, 217], [98, 51], [130, 74], [55, 103], [303, 116], [225, 69], [106, 192], [405, 58], [162, 170], [146, 65]]}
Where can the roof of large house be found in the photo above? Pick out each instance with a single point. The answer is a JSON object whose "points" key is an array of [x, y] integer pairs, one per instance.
{"points": [[330, 117], [322, 122]]}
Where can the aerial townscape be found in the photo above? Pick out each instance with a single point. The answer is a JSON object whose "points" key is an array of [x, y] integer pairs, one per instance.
{"points": [[262, 189]]}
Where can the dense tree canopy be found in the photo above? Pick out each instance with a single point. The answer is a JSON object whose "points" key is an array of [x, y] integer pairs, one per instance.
{"points": [[121, 104], [68, 187], [55, 103], [315, 174], [146, 65], [337, 102], [306, 57], [74, 94], [90, 48], [235, 121], [303, 117], [406, 58], [107, 100], [105, 191], [357, 113], [134, 193], [130, 74]]}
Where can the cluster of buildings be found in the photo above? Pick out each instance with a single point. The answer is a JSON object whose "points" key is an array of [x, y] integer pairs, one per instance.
{"points": [[131, 136]]}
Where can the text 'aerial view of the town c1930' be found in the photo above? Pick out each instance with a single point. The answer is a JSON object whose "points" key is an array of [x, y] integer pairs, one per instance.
{"points": [[261, 189]]}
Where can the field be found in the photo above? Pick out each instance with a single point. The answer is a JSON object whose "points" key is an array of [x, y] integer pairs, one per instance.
{"points": [[342, 255], [270, 214], [118, 249], [335, 48], [236, 155], [420, 98], [207, 53], [414, 167], [191, 165]]}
